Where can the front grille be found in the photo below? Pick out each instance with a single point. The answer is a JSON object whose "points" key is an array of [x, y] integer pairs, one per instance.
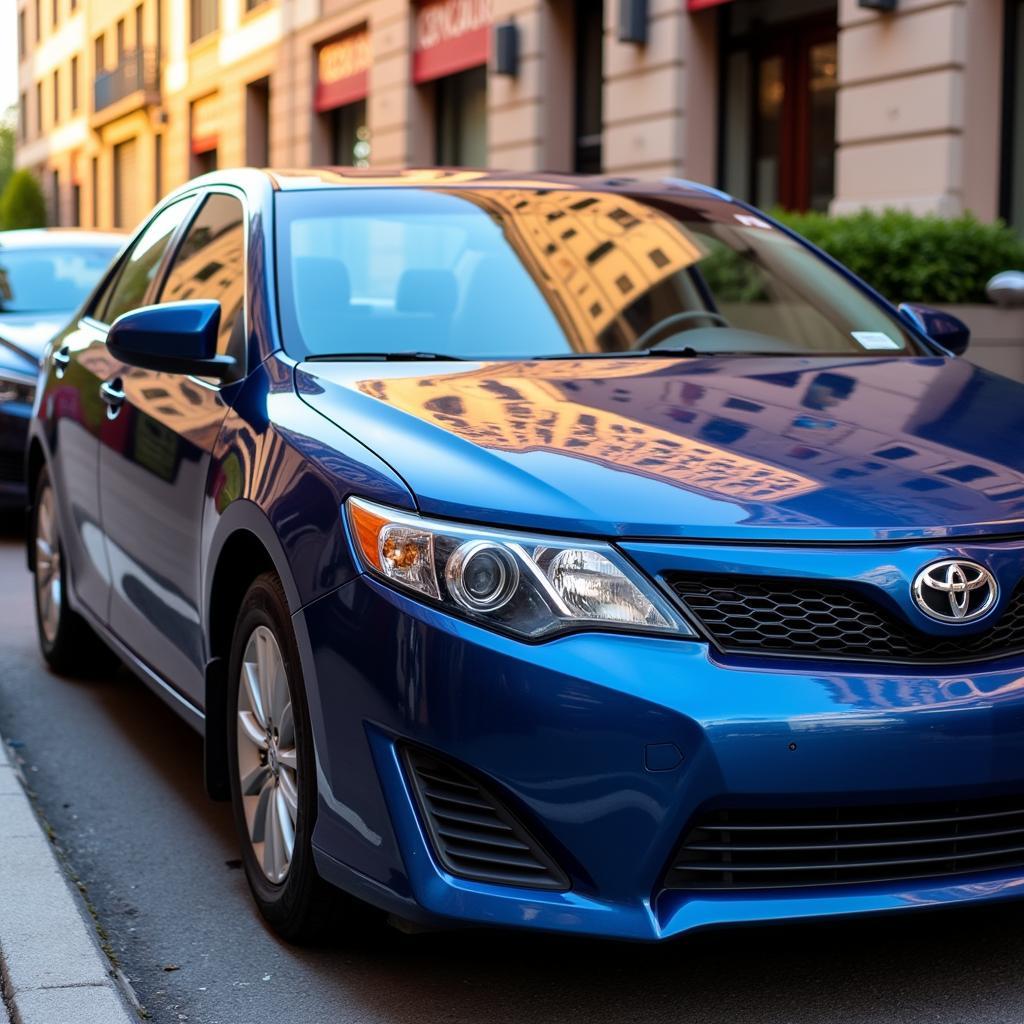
{"points": [[473, 833], [12, 467], [729, 850], [744, 614]]}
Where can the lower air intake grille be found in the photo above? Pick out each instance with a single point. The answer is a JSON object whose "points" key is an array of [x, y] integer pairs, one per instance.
{"points": [[729, 850], [474, 835]]}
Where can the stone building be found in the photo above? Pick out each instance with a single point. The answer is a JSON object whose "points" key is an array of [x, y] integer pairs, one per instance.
{"points": [[801, 103]]}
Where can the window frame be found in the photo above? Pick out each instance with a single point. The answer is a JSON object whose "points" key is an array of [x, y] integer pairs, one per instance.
{"points": [[159, 281], [109, 282], [156, 285]]}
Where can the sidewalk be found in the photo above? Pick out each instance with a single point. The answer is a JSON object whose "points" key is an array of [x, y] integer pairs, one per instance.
{"points": [[52, 970]]}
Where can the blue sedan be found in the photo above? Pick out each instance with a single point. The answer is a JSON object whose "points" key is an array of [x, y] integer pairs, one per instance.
{"points": [[573, 554]]}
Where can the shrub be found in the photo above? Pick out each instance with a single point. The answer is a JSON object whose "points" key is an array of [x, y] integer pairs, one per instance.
{"points": [[915, 259], [22, 204]]}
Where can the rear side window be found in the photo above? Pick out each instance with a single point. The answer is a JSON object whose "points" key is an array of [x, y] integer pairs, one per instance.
{"points": [[127, 290], [210, 264]]}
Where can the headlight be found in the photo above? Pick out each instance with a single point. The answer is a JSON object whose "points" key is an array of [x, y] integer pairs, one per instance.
{"points": [[16, 389], [530, 585]]}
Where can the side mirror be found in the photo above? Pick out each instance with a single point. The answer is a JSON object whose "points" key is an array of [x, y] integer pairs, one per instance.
{"points": [[950, 332], [1007, 289], [174, 337]]}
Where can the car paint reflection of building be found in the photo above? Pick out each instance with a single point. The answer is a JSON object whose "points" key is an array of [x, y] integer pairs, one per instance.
{"points": [[733, 435], [592, 254]]}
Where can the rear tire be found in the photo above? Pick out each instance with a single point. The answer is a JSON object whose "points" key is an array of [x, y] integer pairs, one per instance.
{"points": [[66, 640], [273, 770]]}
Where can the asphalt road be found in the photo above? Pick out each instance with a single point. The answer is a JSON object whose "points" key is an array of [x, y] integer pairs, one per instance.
{"points": [[117, 776]]}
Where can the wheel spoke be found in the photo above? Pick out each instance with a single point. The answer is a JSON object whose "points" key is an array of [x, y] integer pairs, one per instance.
{"points": [[286, 726], [286, 827], [252, 730], [262, 813], [256, 781], [287, 757], [265, 669], [250, 676], [272, 839], [289, 794]]}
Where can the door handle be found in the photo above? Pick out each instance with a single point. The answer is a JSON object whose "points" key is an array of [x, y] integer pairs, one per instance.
{"points": [[112, 393], [61, 361]]}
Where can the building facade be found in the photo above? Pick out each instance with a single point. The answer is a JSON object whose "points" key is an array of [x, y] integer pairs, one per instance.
{"points": [[807, 104]]}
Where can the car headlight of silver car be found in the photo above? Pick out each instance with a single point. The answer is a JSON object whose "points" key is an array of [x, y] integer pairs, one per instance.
{"points": [[528, 584], [14, 387]]}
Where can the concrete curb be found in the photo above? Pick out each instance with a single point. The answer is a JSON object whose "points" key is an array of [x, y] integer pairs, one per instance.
{"points": [[52, 969]]}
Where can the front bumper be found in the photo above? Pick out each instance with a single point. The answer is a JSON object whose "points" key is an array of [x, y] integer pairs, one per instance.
{"points": [[578, 735]]}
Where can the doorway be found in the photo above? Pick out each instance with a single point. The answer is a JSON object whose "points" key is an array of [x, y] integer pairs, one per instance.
{"points": [[779, 83]]}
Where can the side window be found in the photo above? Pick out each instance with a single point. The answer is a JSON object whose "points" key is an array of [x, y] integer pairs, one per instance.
{"points": [[210, 264], [127, 289]]}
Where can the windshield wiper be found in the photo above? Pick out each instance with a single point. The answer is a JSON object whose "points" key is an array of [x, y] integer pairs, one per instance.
{"points": [[383, 357]]}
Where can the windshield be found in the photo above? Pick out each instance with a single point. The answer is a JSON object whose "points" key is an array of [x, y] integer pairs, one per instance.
{"points": [[516, 273], [49, 280]]}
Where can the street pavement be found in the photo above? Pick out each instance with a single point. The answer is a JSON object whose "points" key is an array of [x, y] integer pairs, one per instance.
{"points": [[117, 778]]}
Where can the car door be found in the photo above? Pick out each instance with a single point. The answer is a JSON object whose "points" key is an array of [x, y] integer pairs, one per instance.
{"points": [[155, 458], [78, 369]]}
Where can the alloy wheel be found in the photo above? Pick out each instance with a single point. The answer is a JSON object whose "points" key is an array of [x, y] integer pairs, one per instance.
{"points": [[267, 761], [49, 585]]}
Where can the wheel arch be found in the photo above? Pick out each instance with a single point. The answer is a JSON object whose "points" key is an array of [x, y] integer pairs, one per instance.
{"points": [[244, 547]]}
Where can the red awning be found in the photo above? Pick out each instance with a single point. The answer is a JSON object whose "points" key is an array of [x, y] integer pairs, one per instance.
{"points": [[451, 36], [342, 69]]}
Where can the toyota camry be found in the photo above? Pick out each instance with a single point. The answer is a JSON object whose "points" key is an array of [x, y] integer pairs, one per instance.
{"points": [[568, 553]]}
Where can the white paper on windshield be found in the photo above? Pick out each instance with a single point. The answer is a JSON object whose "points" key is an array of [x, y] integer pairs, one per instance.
{"points": [[874, 340]]}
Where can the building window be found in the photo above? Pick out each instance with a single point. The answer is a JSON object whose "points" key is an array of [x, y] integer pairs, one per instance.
{"points": [[120, 41], [138, 27], [1011, 198], [125, 185], [55, 196], [158, 167], [95, 186], [74, 85], [56, 96], [39, 108], [99, 56], [589, 113], [251, 5], [21, 35], [778, 103], [37, 20], [203, 18], [76, 205], [55, 13], [462, 119], [350, 136], [257, 123]]}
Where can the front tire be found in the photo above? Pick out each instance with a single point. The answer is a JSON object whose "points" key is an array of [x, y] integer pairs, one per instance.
{"points": [[66, 640], [273, 770]]}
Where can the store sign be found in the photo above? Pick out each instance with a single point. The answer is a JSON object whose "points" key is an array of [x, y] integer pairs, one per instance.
{"points": [[451, 36], [205, 123], [342, 70], [700, 5]]}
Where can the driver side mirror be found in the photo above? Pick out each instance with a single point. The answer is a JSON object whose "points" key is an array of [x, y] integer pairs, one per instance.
{"points": [[173, 337], [949, 331]]}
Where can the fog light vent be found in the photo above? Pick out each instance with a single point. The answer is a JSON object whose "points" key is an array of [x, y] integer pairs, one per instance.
{"points": [[473, 833]]}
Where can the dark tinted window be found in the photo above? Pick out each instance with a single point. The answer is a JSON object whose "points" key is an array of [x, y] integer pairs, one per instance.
{"points": [[210, 264], [128, 289], [49, 280]]}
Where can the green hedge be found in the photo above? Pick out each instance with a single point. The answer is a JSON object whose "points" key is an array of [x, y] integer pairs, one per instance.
{"points": [[915, 259], [22, 204]]}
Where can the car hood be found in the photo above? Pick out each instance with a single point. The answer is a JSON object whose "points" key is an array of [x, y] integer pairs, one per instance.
{"points": [[728, 448], [28, 333]]}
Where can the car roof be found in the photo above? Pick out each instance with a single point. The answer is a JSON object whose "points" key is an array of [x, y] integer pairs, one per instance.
{"points": [[61, 238], [303, 179]]}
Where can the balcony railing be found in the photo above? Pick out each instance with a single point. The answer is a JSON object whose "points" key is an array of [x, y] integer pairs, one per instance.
{"points": [[137, 71]]}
